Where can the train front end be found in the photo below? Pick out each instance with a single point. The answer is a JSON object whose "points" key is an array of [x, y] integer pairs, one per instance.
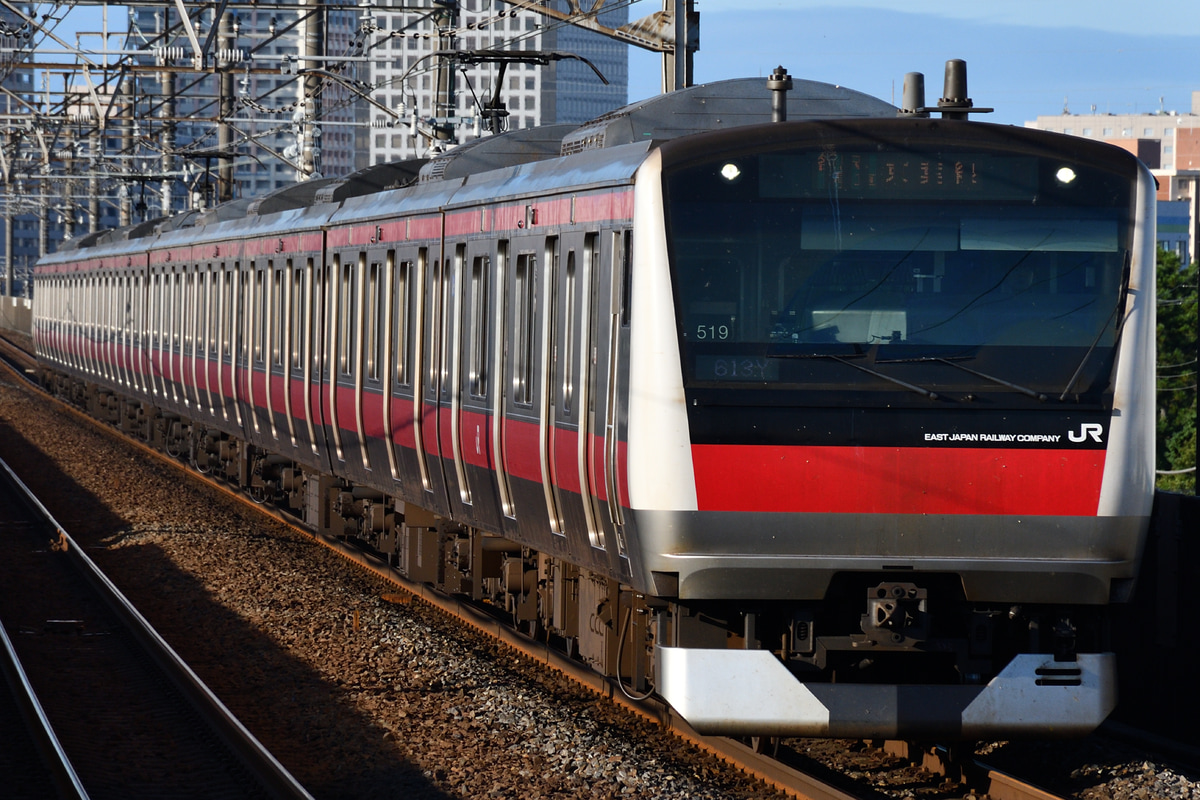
{"points": [[890, 428]]}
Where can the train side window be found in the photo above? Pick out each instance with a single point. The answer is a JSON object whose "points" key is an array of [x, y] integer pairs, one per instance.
{"points": [[402, 321], [523, 317], [479, 321]]}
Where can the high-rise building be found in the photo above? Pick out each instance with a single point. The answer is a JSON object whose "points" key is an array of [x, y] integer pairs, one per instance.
{"points": [[264, 127], [412, 113]]}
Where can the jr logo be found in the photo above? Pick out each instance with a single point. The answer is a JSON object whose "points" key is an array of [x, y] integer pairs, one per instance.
{"points": [[1093, 429]]}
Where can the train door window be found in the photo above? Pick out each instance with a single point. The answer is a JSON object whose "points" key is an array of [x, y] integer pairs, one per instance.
{"points": [[277, 315], [622, 272], [177, 299], [402, 317], [245, 349], [567, 357], [296, 317], [254, 290], [374, 311], [224, 291], [212, 301], [346, 318], [434, 273], [523, 317], [189, 313], [477, 320]]}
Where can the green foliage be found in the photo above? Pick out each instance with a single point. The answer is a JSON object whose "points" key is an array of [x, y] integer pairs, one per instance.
{"points": [[1177, 371]]}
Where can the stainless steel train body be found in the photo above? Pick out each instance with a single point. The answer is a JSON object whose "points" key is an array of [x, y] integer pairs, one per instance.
{"points": [[836, 426]]}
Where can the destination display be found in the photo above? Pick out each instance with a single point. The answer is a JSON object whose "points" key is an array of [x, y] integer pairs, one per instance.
{"points": [[874, 175]]}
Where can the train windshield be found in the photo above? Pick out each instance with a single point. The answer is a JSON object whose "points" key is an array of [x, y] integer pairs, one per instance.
{"points": [[883, 266]]}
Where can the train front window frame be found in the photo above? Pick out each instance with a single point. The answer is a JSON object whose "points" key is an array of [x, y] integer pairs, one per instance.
{"points": [[1009, 260]]}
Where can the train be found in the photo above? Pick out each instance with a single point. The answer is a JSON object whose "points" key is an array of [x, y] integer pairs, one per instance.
{"points": [[811, 415]]}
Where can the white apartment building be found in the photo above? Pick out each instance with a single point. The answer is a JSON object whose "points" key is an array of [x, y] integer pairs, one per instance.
{"points": [[404, 76]]}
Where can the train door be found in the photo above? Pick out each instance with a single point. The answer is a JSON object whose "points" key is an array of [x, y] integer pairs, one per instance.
{"points": [[501, 339], [245, 352], [435, 294], [450, 396], [305, 372], [291, 362], [174, 291], [473, 430], [336, 352], [375, 397], [191, 343], [566, 435], [610, 275], [204, 335], [548, 370], [528, 466], [230, 330]]}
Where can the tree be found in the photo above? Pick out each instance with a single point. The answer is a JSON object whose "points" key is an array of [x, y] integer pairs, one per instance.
{"points": [[1176, 373]]}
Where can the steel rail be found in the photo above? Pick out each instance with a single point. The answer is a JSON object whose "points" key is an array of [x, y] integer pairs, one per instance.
{"points": [[62, 774], [253, 756]]}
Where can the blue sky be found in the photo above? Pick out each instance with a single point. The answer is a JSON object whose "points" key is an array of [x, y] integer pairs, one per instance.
{"points": [[1024, 57]]}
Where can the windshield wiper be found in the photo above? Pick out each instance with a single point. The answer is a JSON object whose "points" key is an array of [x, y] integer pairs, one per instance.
{"points": [[950, 362], [911, 387]]}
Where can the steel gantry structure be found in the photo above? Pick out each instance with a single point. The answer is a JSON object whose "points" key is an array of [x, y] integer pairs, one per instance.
{"points": [[159, 104]]}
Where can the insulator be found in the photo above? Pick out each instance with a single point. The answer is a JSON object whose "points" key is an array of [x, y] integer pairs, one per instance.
{"points": [[168, 54], [235, 56]]}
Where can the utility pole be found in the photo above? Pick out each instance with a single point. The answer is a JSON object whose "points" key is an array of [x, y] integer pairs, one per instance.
{"points": [[228, 42], [677, 70], [443, 104], [166, 112], [308, 112]]}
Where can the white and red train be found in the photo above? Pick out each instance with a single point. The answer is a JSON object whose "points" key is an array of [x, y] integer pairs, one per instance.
{"points": [[841, 425]]}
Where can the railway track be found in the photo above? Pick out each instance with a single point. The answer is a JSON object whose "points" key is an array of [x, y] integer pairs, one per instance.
{"points": [[795, 778], [109, 706]]}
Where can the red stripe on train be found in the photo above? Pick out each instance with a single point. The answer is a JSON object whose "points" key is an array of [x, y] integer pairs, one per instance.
{"points": [[898, 480]]}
